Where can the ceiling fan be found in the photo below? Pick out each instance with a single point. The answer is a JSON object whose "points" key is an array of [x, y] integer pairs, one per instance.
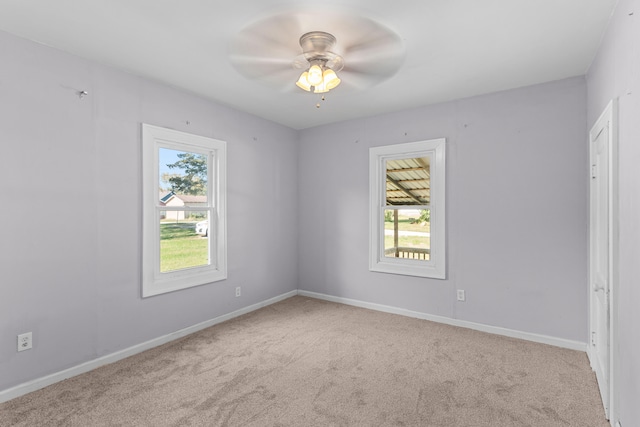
{"points": [[274, 50]]}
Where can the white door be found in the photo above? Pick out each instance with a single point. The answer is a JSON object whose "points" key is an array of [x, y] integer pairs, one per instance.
{"points": [[602, 155]]}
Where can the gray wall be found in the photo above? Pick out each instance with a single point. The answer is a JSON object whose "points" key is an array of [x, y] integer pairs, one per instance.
{"points": [[615, 73], [70, 249], [516, 209]]}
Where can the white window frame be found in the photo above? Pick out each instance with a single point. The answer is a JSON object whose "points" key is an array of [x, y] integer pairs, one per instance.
{"points": [[435, 267], [153, 281]]}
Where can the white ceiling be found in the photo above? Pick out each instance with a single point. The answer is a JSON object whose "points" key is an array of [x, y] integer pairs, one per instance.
{"points": [[452, 48]]}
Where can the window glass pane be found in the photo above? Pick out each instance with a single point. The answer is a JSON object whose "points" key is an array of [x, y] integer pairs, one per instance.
{"points": [[184, 240], [182, 173], [183, 234], [407, 233], [408, 181]]}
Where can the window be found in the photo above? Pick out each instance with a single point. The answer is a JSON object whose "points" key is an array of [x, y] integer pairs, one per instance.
{"points": [[407, 209], [184, 215]]}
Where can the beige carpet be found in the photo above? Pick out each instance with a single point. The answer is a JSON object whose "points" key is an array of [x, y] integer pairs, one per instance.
{"points": [[305, 362]]}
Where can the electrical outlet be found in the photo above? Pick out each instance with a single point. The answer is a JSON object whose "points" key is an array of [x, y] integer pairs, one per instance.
{"points": [[460, 295], [238, 291], [25, 341]]}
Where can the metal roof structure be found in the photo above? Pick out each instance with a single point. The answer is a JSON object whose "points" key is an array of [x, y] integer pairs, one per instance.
{"points": [[408, 181]]}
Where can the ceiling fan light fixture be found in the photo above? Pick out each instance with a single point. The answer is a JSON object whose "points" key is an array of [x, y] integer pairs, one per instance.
{"points": [[321, 81], [330, 79], [303, 82], [321, 75]]}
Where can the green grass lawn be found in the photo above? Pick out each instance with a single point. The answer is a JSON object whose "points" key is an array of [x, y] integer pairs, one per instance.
{"points": [[181, 247], [408, 242], [405, 224]]}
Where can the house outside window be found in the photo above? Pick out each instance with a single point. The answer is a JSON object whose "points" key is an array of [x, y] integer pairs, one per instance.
{"points": [[407, 209], [184, 210]]}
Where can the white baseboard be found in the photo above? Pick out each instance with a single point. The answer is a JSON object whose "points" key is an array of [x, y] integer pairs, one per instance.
{"points": [[28, 387], [544, 339]]}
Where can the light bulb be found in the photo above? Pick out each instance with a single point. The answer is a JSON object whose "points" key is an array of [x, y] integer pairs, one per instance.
{"points": [[315, 75]]}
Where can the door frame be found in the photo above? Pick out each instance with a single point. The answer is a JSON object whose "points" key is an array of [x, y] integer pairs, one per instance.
{"points": [[608, 121]]}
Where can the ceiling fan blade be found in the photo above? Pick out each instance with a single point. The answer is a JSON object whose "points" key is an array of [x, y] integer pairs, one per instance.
{"points": [[372, 53], [259, 64], [281, 79], [357, 80], [260, 67], [266, 49], [276, 37], [259, 60], [376, 46], [366, 71], [377, 65]]}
